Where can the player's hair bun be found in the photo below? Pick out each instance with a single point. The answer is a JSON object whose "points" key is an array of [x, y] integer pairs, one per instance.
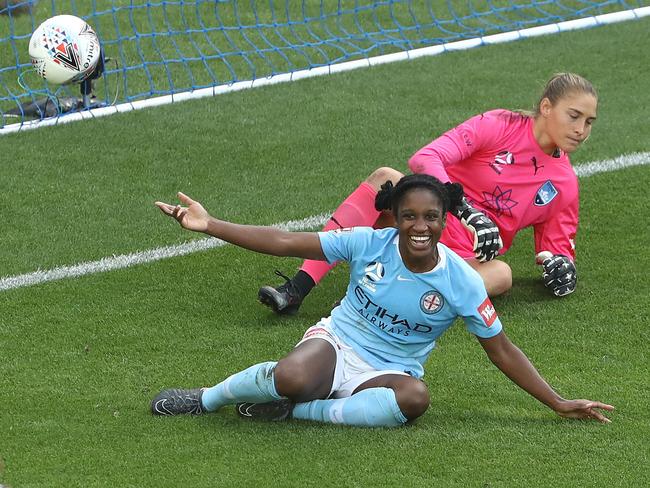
{"points": [[384, 198], [455, 193]]}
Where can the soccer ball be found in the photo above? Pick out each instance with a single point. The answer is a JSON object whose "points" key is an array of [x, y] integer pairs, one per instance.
{"points": [[64, 49]]}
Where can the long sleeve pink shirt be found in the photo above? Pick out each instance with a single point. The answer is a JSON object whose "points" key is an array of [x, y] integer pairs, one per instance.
{"points": [[505, 174]]}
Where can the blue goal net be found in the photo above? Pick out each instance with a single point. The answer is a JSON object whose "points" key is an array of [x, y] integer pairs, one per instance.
{"points": [[154, 48]]}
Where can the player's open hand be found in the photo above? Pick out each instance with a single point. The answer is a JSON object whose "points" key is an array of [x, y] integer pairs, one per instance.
{"points": [[584, 409], [192, 217]]}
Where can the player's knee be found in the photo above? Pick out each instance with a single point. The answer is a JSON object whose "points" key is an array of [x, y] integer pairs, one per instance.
{"points": [[507, 278], [497, 276], [292, 380], [501, 280], [382, 175], [413, 399]]}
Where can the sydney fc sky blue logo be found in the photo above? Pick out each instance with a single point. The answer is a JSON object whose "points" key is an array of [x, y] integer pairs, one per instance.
{"points": [[545, 194], [431, 302]]}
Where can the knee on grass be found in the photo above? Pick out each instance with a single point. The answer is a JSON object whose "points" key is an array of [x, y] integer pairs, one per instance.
{"points": [[294, 381], [413, 399]]}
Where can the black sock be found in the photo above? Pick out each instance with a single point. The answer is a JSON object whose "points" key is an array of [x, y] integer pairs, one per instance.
{"points": [[303, 283]]}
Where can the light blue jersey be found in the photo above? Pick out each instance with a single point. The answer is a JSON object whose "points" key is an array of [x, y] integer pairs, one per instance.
{"points": [[391, 316]]}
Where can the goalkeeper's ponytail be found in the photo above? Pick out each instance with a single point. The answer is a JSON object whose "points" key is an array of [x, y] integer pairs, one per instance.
{"points": [[562, 85]]}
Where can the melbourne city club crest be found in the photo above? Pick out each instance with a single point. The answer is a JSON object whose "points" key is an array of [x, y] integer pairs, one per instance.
{"points": [[431, 302]]}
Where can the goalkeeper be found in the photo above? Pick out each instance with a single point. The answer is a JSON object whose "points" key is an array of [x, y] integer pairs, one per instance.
{"points": [[516, 173]]}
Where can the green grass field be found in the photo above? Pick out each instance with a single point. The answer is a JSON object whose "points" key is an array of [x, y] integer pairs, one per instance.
{"points": [[80, 359]]}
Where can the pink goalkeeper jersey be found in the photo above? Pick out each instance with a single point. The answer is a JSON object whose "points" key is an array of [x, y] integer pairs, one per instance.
{"points": [[506, 175]]}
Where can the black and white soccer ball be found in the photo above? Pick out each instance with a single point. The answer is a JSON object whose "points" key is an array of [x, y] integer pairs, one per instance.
{"points": [[64, 49]]}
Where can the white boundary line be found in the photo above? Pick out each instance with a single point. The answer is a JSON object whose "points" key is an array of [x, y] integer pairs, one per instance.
{"points": [[607, 165], [338, 68], [316, 221], [142, 257]]}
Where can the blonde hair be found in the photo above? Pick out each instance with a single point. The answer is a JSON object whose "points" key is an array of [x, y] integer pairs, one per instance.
{"points": [[562, 85]]}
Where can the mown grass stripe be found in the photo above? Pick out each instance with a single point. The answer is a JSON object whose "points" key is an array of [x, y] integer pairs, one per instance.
{"points": [[313, 222]]}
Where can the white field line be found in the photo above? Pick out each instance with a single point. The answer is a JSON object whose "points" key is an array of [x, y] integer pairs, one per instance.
{"points": [[142, 257], [309, 223], [620, 162], [502, 37]]}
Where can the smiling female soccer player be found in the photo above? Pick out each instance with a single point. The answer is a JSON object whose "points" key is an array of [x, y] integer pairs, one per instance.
{"points": [[363, 365], [516, 173]]}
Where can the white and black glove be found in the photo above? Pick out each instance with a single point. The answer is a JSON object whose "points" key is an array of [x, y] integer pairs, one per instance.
{"points": [[487, 241], [560, 274]]}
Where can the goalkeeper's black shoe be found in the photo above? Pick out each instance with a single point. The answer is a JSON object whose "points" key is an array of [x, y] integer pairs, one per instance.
{"points": [[271, 411], [284, 299], [178, 402]]}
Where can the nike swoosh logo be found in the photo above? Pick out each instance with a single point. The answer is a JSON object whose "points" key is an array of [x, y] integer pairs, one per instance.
{"points": [[401, 278], [243, 409], [160, 407]]}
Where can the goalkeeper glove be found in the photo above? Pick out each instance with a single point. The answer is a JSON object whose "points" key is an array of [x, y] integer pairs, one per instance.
{"points": [[487, 241], [559, 275]]}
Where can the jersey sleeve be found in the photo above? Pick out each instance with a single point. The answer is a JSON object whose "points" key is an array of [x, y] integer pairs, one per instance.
{"points": [[343, 244], [557, 234], [453, 146], [476, 309]]}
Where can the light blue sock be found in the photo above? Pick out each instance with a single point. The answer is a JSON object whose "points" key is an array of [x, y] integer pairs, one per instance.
{"points": [[255, 384], [374, 407]]}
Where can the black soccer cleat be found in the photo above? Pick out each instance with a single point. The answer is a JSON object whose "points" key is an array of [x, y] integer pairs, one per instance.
{"points": [[271, 411], [177, 402], [284, 299]]}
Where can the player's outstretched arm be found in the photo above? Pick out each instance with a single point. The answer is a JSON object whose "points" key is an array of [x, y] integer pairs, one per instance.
{"points": [[268, 240], [516, 366]]}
